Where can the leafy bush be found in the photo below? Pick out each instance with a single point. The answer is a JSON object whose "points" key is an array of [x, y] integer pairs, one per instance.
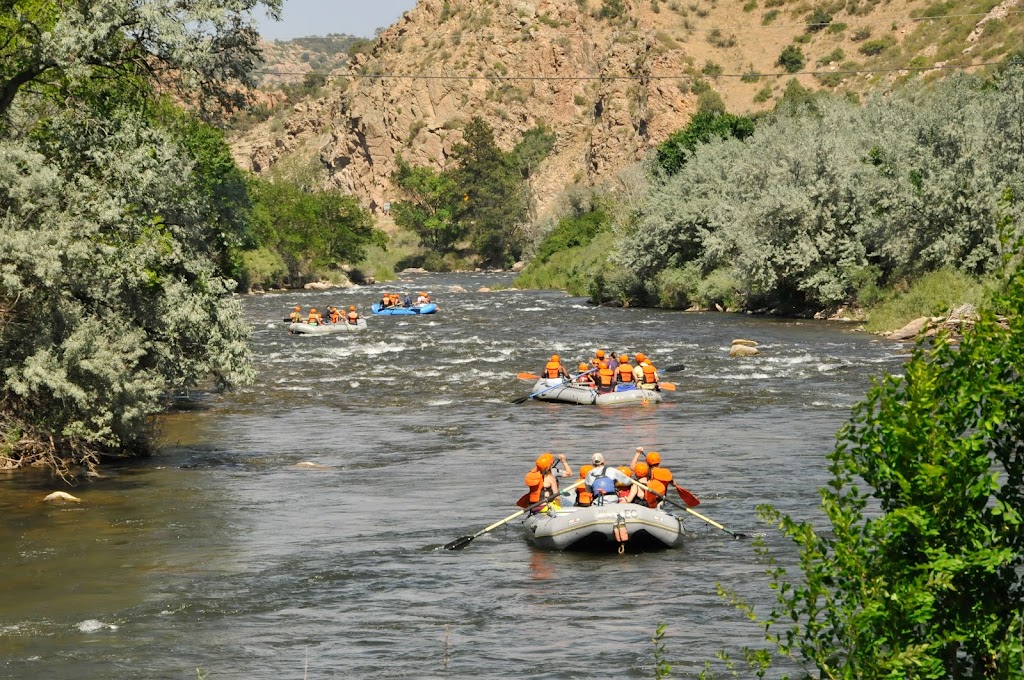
{"points": [[792, 59], [573, 232], [875, 47], [818, 20]]}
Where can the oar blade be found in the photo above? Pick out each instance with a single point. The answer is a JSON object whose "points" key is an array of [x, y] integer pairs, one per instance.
{"points": [[520, 400], [528, 376], [459, 543], [687, 497], [671, 387], [673, 369], [524, 500]]}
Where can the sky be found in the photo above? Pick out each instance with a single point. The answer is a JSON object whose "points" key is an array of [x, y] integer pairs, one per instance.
{"points": [[301, 18]]}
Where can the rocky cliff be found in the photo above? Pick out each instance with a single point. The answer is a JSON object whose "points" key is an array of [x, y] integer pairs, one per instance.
{"points": [[612, 78]]}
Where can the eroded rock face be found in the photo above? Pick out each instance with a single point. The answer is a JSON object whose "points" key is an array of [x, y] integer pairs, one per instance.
{"points": [[61, 497], [515, 64]]}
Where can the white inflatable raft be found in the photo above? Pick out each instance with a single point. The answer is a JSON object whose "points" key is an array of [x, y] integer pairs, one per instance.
{"points": [[554, 389], [327, 329], [593, 528]]}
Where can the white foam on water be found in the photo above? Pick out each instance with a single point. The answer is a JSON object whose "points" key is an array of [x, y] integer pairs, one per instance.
{"points": [[92, 625], [440, 402]]}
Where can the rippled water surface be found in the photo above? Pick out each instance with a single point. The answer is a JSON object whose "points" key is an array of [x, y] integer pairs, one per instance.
{"points": [[293, 528]]}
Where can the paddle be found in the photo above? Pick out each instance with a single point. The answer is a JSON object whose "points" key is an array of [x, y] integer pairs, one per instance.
{"points": [[687, 497], [520, 400], [527, 376], [672, 369], [462, 541], [671, 387], [692, 512]]}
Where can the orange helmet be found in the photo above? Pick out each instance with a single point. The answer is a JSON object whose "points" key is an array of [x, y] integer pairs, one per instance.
{"points": [[623, 358], [545, 461], [352, 308], [640, 356], [653, 458], [313, 310], [297, 308], [600, 354], [641, 469], [554, 357], [584, 367], [585, 470]]}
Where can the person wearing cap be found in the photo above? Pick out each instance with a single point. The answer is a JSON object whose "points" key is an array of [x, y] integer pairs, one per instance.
{"points": [[334, 315], [315, 319], [423, 299], [554, 369], [353, 316], [385, 301], [595, 361], [601, 469], [296, 315]]}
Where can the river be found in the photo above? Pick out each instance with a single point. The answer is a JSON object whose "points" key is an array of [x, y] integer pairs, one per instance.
{"points": [[227, 555]]}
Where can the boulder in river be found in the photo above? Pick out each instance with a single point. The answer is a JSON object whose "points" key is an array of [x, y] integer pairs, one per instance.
{"points": [[61, 497], [744, 341], [738, 350]]}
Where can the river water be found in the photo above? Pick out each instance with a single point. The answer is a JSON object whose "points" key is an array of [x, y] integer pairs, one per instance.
{"points": [[292, 529]]}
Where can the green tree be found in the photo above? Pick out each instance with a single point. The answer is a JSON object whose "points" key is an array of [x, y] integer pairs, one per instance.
{"points": [[921, 572], [202, 47], [428, 211], [494, 204], [534, 147], [702, 128], [311, 231]]}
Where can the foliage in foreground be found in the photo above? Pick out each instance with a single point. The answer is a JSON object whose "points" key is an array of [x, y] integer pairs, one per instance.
{"points": [[117, 220], [921, 574]]}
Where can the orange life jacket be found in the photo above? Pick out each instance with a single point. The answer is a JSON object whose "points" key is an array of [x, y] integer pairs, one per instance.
{"points": [[535, 482], [353, 317], [586, 380], [335, 316], [315, 319], [296, 317], [552, 369], [649, 374], [663, 475], [606, 377], [625, 373]]}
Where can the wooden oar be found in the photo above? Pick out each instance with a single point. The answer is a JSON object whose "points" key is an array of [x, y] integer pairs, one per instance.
{"points": [[463, 541], [528, 376], [520, 400], [691, 511]]}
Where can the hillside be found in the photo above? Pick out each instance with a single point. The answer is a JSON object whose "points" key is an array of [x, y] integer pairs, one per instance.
{"points": [[612, 78]]}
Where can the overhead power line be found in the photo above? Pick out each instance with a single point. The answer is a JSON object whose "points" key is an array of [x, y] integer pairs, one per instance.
{"points": [[677, 76]]}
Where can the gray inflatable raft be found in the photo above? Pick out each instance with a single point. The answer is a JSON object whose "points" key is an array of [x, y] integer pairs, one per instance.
{"points": [[327, 329], [593, 528], [570, 393]]}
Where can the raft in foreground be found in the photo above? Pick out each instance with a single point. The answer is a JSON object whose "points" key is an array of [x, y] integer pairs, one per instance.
{"points": [[593, 528], [395, 311], [327, 329], [574, 394]]}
